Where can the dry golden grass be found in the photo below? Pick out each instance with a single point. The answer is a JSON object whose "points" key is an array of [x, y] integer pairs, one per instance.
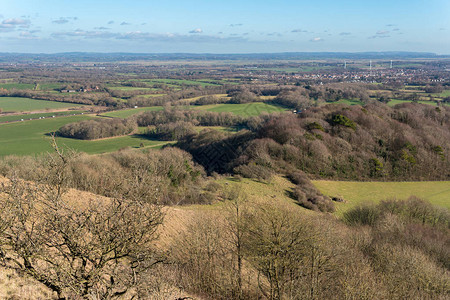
{"points": [[177, 219], [15, 286]]}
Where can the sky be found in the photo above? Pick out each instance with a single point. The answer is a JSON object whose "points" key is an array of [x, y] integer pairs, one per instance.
{"points": [[226, 26]]}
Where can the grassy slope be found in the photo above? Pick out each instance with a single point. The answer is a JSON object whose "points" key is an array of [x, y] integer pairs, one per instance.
{"points": [[129, 112], [255, 192], [29, 137], [182, 81], [398, 101], [27, 104], [355, 193], [130, 88], [437, 192], [246, 109]]}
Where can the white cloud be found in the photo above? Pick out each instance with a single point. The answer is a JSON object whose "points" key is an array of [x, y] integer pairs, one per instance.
{"points": [[28, 35], [11, 24], [316, 39], [144, 36], [197, 30], [16, 21], [380, 34]]}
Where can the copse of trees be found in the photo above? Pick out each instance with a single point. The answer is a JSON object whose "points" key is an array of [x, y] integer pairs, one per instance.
{"points": [[171, 131], [97, 128], [169, 97], [297, 99], [437, 88], [242, 96], [374, 142], [203, 118], [209, 100]]}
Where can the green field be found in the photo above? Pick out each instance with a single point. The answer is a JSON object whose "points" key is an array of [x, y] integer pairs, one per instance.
{"points": [[355, 193], [344, 101], [27, 117], [27, 104], [17, 86], [219, 81], [444, 94], [183, 82], [49, 86], [28, 138], [130, 88], [246, 109], [129, 112], [152, 95], [398, 101]]}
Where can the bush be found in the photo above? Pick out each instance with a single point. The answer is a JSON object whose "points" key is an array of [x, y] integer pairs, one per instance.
{"points": [[362, 215], [343, 120]]}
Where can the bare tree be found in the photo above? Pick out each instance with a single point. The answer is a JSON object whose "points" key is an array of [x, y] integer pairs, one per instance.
{"points": [[235, 227], [91, 249]]}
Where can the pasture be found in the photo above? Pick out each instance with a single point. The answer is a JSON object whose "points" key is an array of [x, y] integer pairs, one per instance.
{"points": [[245, 109], [131, 88], [356, 193], [17, 86], [125, 113], [26, 117], [399, 101], [16, 104], [184, 82], [30, 137]]}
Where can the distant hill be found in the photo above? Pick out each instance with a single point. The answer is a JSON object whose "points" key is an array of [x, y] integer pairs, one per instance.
{"points": [[111, 57]]}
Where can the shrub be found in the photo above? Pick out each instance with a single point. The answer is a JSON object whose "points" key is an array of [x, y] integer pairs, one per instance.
{"points": [[314, 125], [376, 167], [343, 120], [362, 215]]}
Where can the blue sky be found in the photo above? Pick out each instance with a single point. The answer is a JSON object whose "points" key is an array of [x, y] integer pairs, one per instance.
{"points": [[228, 26]]}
